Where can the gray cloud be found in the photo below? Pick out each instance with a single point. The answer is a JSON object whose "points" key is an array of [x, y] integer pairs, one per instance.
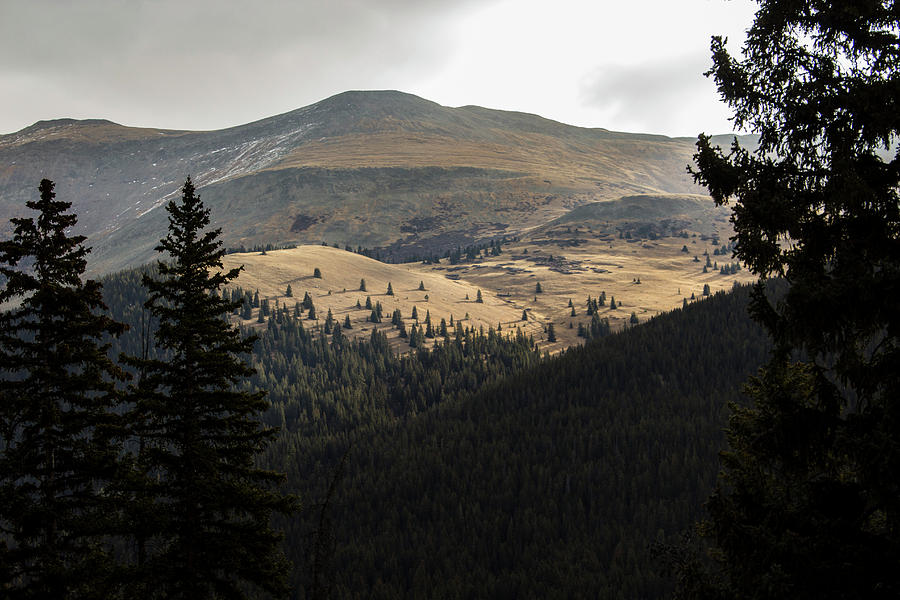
{"points": [[208, 63], [650, 96]]}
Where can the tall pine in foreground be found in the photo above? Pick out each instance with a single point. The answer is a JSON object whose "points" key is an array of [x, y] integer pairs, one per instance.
{"points": [[57, 391], [210, 534], [808, 505]]}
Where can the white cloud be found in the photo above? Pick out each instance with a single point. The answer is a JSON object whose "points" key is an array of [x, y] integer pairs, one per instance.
{"points": [[200, 64]]}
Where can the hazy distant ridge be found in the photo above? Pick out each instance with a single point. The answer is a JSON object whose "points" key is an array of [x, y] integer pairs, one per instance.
{"points": [[359, 168]]}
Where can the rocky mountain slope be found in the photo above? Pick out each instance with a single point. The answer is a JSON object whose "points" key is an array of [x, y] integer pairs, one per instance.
{"points": [[376, 169]]}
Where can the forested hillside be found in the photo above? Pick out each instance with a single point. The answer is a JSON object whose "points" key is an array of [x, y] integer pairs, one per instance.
{"points": [[482, 470]]}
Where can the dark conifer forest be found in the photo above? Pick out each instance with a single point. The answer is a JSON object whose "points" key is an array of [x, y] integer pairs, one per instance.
{"points": [[481, 469]]}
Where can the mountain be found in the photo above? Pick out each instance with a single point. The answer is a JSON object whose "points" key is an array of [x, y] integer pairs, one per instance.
{"points": [[376, 169]]}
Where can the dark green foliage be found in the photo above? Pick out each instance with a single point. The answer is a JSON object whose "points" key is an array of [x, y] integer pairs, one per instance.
{"points": [[362, 285], [598, 327], [634, 318], [209, 535], [369, 303], [317, 273], [809, 501], [289, 292], [57, 393], [477, 471], [390, 289], [706, 289], [551, 333], [347, 324], [533, 487], [524, 315], [421, 286], [537, 288], [478, 297]]}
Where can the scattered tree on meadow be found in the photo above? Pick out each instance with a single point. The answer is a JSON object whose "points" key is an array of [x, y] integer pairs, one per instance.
{"points": [[362, 285], [390, 289], [317, 273]]}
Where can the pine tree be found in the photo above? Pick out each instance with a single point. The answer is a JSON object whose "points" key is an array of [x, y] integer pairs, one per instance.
{"points": [[362, 285], [289, 292], [57, 393], [211, 536], [551, 333], [421, 286], [347, 324], [808, 501], [537, 288], [317, 273], [390, 289], [478, 297]]}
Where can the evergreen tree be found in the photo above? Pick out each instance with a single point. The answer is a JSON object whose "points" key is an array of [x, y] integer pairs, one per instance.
{"points": [[212, 535], [537, 288], [421, 286], [317, 273], [56, 398], [551, 333], [289, 292], [362, 285], [808, 502], [390, 289], [347, 324], [478, 297], [524, 315]]}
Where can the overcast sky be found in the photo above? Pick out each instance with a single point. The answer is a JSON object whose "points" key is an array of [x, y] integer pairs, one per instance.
{"points": [[627, 65]]}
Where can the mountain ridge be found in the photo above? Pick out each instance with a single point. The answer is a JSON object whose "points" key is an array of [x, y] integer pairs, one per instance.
{"points": [[358, 168]]}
